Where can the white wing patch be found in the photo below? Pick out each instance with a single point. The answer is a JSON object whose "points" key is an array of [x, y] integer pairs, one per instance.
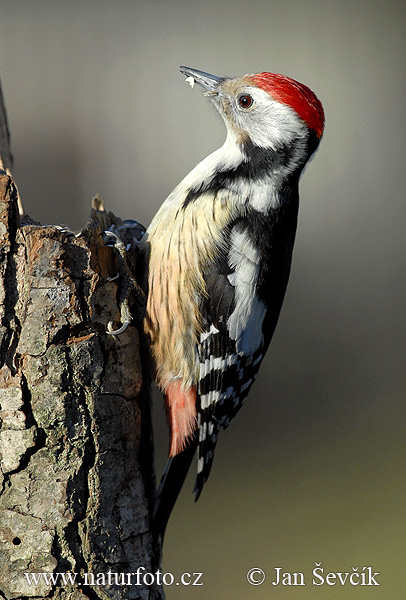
{"points": [[245, 322]]}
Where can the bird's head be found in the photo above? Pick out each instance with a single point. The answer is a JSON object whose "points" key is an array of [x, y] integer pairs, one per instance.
{"points": [[265, 109]]}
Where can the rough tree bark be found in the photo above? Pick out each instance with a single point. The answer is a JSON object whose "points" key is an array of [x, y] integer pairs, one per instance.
{"points": [[76, 454]]}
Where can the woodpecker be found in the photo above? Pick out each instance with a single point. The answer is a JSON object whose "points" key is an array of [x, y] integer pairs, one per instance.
{"points": [[219, 253]]}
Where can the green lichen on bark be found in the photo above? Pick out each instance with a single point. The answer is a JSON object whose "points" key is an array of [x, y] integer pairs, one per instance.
{"points": [[76, 476]]}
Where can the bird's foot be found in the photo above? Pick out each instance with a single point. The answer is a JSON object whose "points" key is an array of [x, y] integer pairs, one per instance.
{"points": [[124, 239]]}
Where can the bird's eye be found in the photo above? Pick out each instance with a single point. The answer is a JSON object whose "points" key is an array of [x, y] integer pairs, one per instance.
{"points": [[245, 101]]}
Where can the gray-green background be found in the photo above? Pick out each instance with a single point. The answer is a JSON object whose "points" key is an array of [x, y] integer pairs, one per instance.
{"points": [[312, 468]]}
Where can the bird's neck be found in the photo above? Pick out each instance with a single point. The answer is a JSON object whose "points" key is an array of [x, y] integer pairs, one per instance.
{"points": [[257, 176]]}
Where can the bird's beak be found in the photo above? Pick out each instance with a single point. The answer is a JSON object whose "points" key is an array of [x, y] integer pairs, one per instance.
{"points": [[210, 83]]}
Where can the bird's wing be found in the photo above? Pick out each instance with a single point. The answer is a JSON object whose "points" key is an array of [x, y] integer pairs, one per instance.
{"points": [[226, 375]]}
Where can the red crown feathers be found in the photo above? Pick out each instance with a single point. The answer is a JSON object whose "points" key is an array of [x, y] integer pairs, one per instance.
{"points": [[296, 95]]}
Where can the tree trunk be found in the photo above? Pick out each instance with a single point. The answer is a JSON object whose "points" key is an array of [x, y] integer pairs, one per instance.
{"points": [[76, 479]]}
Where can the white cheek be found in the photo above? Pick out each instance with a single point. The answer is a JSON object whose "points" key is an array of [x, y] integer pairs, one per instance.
{"points": [[270, 124]]}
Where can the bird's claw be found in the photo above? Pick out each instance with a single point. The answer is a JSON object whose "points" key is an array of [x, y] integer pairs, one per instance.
{"points": [[117, 242], [115, 332], [125, 236]]}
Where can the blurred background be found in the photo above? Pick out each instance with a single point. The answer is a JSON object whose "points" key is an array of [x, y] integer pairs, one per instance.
{"points": [[312, 468]]}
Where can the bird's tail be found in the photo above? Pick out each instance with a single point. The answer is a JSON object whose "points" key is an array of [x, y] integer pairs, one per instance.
{"points": [[168, 490]]}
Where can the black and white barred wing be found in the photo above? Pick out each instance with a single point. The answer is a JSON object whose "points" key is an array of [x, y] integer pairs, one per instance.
{"points": [[231, 348]]}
